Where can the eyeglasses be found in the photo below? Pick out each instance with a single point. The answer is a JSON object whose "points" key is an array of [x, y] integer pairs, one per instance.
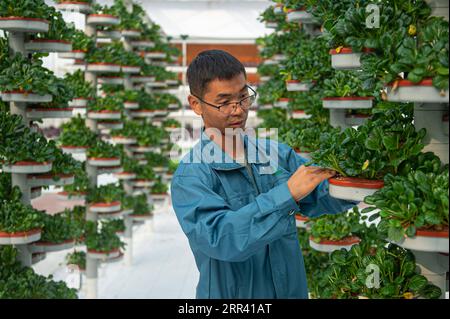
{"points": [[230, 107]]}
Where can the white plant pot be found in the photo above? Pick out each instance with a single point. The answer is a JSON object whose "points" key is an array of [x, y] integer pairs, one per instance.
{"points": [[300, 16], [142, 113], [143, 149], [160, 169], [76, 55], [156, 84], [172, 83], [113, 35], [141, 217], [142, 162], [47, 180], [142, 79], [265, 79], [426, 241], [278, 9], [44, 247], [131, 105], [346, 59], [18, 24], [74, 6], [111, 215], [439, 8], [131, 33], [279, 57], [300, 115], [329, 246], [103, 67], [66, 197], [271, 25], [142, 183], [270, 62], [142, 44], [422, 92], [300, 221], [155, 55], [105, 207], [159, 197], [25, 97], [110, 115], [109, 125], [111, 80], [297, 86], [74, 149], [78, 103], [103, 162], [305, 155], [123, 140], [353, 189], [20, 238], [48, 46], [110, 170], [125, 176], [27, 168], [265, 107], [49, 113], [102, 19], [351, 102], [103, 255], [131, 69], [283, 103], [173, 129]]}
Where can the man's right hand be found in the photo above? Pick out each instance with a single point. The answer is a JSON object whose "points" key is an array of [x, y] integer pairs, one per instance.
{"points": [[306, 179]]}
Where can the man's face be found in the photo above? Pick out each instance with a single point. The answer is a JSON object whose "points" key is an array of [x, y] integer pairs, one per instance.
{"points": [[219, 92]]}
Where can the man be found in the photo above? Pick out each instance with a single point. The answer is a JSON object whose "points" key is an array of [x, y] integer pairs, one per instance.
{"points": [[238, 216]]}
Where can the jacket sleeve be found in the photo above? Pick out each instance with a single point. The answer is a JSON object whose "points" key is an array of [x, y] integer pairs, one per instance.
{"points": [[225, 234], [319, 201]]}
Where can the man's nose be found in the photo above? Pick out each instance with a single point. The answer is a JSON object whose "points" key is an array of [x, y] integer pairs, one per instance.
{"points": [[237, 109]]}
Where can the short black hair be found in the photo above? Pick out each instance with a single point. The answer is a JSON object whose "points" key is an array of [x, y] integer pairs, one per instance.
{"points": [[211, 65]]}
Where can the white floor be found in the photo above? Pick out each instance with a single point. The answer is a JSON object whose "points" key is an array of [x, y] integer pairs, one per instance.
{"points": [[163, 265]]}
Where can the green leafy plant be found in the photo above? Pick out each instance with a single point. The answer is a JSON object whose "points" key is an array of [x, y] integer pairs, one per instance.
{"points": [[24, 75], [58, 28], [101, 149], [159, 187], [117, 225], [77, 258], [64, 164], [104, 194], [336, 227], [380, 146], [24, 8], [81, 88], [398, 280], [57, 228], [417, 200], [141, 206], [344, 84], [17, 217], [304, 135], [7, 191], [103, 240], [76, 133], [80, 185], [145, 172], [18, 282], [156, 159], [108, 103], [171, 123]]}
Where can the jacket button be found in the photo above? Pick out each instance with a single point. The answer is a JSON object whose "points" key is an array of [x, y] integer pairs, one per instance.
{"points": [[292, 212]]}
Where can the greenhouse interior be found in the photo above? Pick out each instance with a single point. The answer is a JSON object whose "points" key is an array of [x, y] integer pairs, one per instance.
{"points": [[99, 110]]}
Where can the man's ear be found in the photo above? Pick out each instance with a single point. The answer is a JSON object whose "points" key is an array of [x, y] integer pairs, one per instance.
{"points": [[195, 105]]}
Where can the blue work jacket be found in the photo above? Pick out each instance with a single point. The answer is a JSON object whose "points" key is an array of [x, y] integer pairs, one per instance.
{"points": [[243, 236]]}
